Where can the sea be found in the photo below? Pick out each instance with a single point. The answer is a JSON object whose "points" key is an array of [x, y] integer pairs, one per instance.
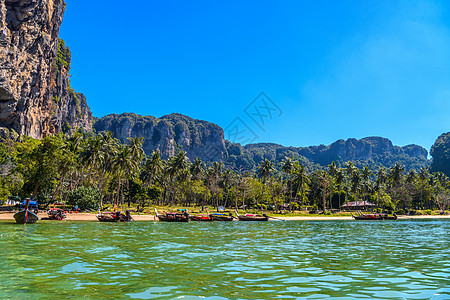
{"points": [[334, 259]]}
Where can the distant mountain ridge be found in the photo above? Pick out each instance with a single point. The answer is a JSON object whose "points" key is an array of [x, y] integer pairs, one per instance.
{"points": [[205, 140], [372, 151]]}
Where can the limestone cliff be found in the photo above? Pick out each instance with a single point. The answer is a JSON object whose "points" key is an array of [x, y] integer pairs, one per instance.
{"points": [[441, 154], [374, 152], [169, 134], [35, 94]]}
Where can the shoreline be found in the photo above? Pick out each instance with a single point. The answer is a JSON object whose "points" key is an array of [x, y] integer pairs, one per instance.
{"points": [[150, 218]]}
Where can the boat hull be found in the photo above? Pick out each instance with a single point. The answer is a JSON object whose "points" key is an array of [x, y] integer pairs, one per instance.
{"points": [[163, 218], [200, 218], [114, 218], [21, 217], [56, 214], [249, 219], [222, 218], [374, 217]]}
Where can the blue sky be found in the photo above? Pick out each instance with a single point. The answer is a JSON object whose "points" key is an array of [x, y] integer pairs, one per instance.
{"points": [[335, 69]]}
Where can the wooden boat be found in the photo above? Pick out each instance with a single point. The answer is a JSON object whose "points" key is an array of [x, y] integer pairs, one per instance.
{"points": [[371, 217], [221, 217], [26, 216], [56, 214], [200, 218], [182, 216], [114, 217], [252, 217]]}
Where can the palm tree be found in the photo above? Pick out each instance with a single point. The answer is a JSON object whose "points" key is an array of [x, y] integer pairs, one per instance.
{"points": [[356, 182], [339, 180], [217, 173], [69, 151], [109, 150], [288, 167], [151, 168], [349, 170], [123, 163], [365, 174], [300, 177], [396, 174], [265, 170], [423, 177], [227, 181], [325, 181], [136, 151], [197, 169], [92, 154], [381, 179], [332, 170], [176, 165]]}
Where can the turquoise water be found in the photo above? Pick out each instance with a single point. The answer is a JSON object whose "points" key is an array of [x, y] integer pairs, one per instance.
{"points": [[237, 260]]}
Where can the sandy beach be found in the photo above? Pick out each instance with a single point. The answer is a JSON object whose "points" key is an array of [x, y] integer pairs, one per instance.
{"points": [[149, 217]]}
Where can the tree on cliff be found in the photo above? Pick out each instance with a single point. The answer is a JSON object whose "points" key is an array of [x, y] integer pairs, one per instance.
{"points": [[441, 154]]}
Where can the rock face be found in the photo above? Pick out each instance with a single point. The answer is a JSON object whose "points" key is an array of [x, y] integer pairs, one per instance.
{"points": [[441, 154], [35, 95], [374, 152], [172, 133], [169, 134]]}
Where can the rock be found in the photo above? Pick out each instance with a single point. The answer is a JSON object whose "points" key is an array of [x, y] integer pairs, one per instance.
{"points": [[35, 94], [441, 154], [169, 134]]}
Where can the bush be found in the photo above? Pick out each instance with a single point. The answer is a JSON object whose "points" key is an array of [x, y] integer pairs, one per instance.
{"points": [[261, 206], [401, 212], [85, 198], [428, 212]]}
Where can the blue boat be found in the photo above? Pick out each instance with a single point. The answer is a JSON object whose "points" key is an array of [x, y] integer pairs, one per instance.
{"points": [[25, 215]]}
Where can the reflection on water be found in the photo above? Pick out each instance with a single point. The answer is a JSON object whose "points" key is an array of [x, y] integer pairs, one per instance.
{"points": [[268, 260]]}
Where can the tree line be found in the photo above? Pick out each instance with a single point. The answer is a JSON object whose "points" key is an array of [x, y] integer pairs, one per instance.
{"points": [[93, 170]]}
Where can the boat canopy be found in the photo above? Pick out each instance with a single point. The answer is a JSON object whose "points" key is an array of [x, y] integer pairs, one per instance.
{"points": [[31, 203]]}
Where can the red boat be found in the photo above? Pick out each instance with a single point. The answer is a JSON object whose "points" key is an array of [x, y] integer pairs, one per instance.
{"points": [[182, 216], [114, 217], [56, 214], [200, 218], [374, 217], [252, 217]]}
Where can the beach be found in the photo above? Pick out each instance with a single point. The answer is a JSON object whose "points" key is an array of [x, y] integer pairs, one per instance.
{"points": [[149, 217]]}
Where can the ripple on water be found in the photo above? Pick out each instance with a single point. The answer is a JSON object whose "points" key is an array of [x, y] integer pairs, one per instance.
{"points": [[298, 260]]}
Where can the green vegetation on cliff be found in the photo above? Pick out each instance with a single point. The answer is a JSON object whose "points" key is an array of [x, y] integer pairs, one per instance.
{"points": [[441, 154]]}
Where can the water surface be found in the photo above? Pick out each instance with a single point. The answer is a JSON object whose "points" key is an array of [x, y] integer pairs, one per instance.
{"points": [[237, 260]]}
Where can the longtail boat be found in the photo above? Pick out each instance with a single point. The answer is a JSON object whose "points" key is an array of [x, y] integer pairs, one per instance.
{"points": [[371, 217], [200, 218], [221, 217], [114, 217], [182, 216], [26, 216], [56, 214], [252, 217]]}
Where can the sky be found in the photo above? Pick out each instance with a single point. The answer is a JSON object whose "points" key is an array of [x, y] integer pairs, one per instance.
{"points": [[296, 73]]}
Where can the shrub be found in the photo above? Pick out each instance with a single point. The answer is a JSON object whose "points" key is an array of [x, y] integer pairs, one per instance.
{"points": [[401, 212], [261, 206], [428, 212], [85, 198]]}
